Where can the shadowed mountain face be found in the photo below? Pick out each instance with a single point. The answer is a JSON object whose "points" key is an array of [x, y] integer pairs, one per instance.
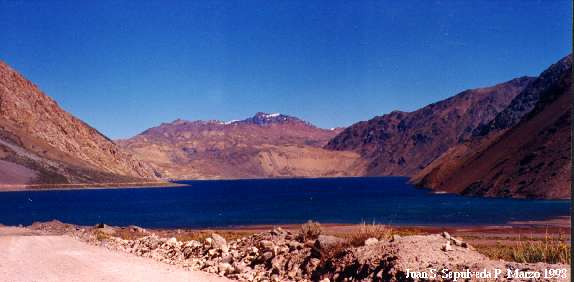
{"points": [[265, 145], [527, 100], [524, 152], [402, 143], [41, 144]]}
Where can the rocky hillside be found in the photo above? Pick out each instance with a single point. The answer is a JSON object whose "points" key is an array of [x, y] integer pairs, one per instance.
{"points": [[42, 144], [524, 152], [265, 145], [281, 255], [402, 143]]}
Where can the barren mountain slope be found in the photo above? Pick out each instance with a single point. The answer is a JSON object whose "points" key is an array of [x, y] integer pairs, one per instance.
{"points": [[265, 145], [402, 143], [524, 152], [40, 143]]}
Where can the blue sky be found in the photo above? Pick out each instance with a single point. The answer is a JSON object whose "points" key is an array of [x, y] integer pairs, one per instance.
{"points": [[124, 66]]}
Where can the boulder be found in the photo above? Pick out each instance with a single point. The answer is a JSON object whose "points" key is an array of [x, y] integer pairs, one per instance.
{"points": [[208, 243], [266, 245], [324, 242], [152, 242], [278, 231], [225, 268], [371, 241], [218, 241], [241, 267], [138, 229], [456, 242], [266, 256], [447, 247], [294, 245], [327, 241], [171, 241]]}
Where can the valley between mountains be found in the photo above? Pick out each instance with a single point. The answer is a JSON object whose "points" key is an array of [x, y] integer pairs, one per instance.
{"points": [[507, 140]]}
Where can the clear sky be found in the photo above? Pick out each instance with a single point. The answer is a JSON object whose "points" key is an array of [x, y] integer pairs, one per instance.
{"points": [[124, 66]]}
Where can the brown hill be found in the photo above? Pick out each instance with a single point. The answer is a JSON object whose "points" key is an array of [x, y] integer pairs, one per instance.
{"points": [[402, 143], [265, 145], [524, 152], [42, 144]]}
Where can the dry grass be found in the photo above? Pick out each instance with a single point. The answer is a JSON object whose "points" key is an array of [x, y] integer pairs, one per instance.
{"points": [[334, 251], [127, 234], [550, 249], [101, 236], [408, 232], [356, 238], [365, 231], [310, 230]]}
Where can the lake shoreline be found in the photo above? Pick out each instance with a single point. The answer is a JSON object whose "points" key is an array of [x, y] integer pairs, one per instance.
{"points": [[555, 222], [541, 226], [177, 183], [87, 186]]}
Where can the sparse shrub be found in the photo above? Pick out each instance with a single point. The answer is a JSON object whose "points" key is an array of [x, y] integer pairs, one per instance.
{"points": [[548, 250], [128, 234], [335, 251], [199, 236], [310, 230], [101, 236], [366, 231]]}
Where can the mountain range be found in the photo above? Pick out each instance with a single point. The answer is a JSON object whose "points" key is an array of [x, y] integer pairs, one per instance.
{"points": [[509, 140], [264, 145]]}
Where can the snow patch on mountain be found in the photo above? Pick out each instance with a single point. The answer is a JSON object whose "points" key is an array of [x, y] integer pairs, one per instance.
{"points": [[231, 121]]}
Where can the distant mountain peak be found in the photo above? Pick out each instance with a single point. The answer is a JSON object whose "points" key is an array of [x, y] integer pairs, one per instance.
{"points": [[266, 115], [258, 120], [179, 121], [261, 145], [264, 119]]}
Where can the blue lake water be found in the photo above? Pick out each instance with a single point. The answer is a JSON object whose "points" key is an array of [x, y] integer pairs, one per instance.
{"points": [[224, 203]]}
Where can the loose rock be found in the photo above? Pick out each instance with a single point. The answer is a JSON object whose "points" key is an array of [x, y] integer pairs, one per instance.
{"points": [[371, 241], [277, 256]]}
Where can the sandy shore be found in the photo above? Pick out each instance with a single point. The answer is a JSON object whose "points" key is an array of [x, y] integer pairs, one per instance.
{"points": [[28, 256]]}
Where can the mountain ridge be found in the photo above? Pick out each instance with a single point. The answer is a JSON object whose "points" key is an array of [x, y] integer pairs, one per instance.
{"points": [[401, 143], [263, 145], [42, 143], [523, 152]]}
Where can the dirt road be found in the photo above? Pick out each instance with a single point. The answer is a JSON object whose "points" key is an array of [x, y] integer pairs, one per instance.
{"points": [[27, 256]]}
